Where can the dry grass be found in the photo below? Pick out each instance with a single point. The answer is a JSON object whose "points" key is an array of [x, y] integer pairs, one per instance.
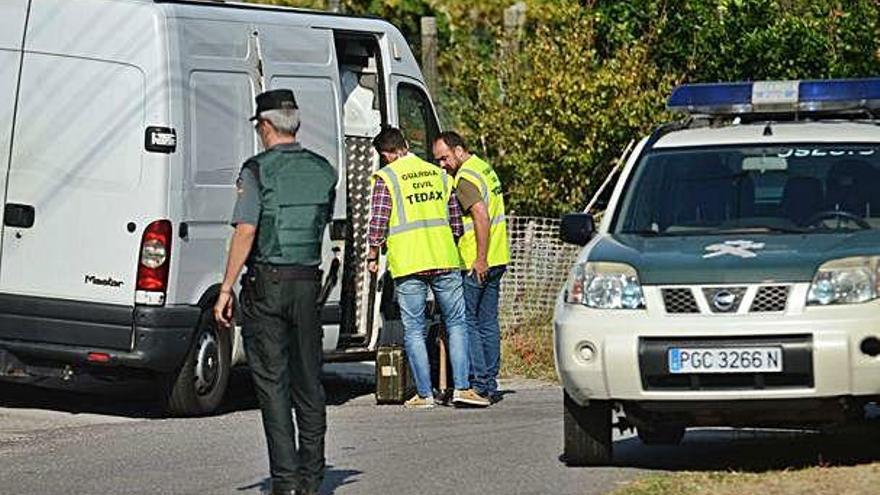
{"points": [[527, 351], [848, 480], [842, 462]]}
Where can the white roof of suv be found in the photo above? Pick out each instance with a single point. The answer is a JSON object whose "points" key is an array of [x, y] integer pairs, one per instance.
{"points": [[784, 132]]}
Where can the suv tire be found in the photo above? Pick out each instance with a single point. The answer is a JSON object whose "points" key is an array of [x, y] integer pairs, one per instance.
{"points": [[587, 432]]}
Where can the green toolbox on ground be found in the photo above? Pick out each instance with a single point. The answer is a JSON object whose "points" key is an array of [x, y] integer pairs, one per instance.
{"points": [[392, 375]]}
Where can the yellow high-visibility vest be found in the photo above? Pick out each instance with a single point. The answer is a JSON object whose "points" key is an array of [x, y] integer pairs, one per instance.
{"points": [[483, 176], [419, 236]]}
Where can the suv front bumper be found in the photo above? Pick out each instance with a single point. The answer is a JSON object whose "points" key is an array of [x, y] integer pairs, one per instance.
{"points": [[613, 364]]}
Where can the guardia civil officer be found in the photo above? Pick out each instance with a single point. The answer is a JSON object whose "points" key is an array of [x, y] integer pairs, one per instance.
{"points": [[484, 251], [285, 201], [414, 214]]}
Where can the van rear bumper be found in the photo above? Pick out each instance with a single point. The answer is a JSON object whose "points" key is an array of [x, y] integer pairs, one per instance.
{"points": [[40, 335]]}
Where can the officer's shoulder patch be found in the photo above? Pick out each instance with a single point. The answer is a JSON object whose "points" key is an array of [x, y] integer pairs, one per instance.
{"points": [[239, 186]]}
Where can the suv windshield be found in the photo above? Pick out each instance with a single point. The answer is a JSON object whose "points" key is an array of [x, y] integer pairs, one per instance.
{"points": [[791, 188]]}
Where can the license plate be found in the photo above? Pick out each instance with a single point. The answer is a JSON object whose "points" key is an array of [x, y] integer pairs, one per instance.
{"points": [[725, 360]]}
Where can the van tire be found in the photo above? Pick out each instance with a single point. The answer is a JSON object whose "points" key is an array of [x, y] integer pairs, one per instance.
{"points": [[197, 388], [587, 432]]}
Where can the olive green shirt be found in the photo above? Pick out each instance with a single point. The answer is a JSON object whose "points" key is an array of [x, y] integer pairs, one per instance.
{"points": [[468, 195]]}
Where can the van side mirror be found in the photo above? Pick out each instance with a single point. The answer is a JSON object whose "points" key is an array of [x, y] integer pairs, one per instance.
{"points": [[577, 228]]}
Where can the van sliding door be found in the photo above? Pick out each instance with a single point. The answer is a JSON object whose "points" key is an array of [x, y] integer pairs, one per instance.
{"points": [[13, 15], [219, 82], [302, 59]]}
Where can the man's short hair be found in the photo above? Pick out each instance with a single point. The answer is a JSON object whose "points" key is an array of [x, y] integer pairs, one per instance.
{"points": [[284, 121], [389, 140], [451, 139]]}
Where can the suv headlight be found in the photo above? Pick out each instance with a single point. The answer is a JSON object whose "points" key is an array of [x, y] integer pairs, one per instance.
{"points": [[846, 281], [604, 285]]}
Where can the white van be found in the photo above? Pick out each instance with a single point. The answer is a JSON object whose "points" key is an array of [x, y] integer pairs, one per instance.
{"points": [[123, 124]]}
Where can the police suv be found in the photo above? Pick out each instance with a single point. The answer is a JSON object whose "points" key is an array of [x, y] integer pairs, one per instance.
{"points": [[735, 275]]}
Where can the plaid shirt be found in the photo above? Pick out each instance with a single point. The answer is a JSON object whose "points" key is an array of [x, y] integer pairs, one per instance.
{"points": [[380, 211]]}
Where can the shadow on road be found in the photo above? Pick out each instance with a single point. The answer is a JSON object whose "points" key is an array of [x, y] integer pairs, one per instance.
{"points": [[342, 383], [130, 400], [754, 450], [333, 479], [139, 399]]}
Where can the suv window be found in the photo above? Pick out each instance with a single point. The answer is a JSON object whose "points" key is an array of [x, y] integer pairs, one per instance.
{"points": [[791, 188], [417, 121]]}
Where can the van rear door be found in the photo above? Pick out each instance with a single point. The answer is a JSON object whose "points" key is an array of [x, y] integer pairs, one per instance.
{"points": [[13, 15], [78, 161]]}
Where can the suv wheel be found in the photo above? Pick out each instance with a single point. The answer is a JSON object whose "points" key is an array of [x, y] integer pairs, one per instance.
{"points": [[587, 432]]}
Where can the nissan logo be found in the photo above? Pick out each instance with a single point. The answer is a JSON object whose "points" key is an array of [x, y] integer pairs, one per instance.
{"points": [[724, 300]]}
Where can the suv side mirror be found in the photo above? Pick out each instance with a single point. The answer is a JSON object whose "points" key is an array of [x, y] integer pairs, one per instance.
{"points": [[577, 228]]}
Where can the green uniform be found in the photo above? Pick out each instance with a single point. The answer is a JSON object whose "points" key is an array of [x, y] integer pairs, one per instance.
{"points": [[287, 192]]}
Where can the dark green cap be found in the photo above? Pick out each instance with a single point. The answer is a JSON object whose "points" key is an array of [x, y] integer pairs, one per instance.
{"points": [[276, 99]]}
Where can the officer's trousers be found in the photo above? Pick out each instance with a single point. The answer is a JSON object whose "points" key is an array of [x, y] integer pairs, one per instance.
{"points": [[282, 338]]}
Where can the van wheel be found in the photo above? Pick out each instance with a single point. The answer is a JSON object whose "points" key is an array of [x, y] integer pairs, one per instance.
{"points": [[587, 432], [200, 383], [663, 434]]}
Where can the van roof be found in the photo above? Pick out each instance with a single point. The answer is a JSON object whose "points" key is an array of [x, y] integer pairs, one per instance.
{"points": [[262, 7]]}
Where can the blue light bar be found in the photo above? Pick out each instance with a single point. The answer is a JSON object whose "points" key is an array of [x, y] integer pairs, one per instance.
{"points": [[776, 97]]}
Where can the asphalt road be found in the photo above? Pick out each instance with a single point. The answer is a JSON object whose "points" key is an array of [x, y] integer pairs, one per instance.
{"points": [[59, 442]]}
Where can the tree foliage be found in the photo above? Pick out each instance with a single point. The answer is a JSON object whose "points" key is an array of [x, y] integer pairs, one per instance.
{"points": [[553, 115], [553, 106]]}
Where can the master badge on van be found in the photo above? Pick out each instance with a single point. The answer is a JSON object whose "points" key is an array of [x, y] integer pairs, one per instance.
{"points": [[107, 282]]}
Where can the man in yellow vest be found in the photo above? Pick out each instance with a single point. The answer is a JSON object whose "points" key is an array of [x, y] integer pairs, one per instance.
{"points": [[413, 214], [484, 252]]}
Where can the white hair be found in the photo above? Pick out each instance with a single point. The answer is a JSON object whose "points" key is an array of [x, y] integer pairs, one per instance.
{"points": [[284, 121]]}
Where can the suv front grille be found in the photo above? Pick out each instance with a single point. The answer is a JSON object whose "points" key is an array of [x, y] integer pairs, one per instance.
{"points": [[770, 299], [726, 300], [680, 301]]}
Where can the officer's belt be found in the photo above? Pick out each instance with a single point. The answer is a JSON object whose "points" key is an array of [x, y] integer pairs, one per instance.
{"points": [[287, 272]]}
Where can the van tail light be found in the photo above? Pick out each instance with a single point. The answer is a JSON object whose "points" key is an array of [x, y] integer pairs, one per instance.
{"points": [[155, 257]]}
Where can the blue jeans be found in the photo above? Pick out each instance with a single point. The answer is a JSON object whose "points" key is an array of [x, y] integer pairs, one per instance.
{"points": [[483, 330], [412, 294]]}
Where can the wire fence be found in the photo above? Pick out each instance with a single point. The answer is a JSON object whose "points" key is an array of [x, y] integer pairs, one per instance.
{"points": [[539, 266]]}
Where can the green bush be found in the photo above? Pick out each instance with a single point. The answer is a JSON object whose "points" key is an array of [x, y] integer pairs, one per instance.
{"points": [[553, 115]]}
